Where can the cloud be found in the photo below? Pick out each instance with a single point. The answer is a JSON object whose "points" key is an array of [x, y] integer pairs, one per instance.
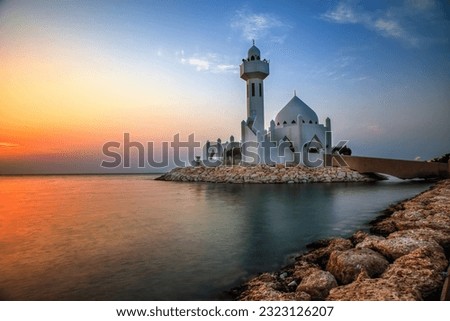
{"points": [[344, 13], [200, 64], [390, 27], [227, 68], [7, 145], [424, 5], [396, 22], [209, 62], [343, 67], [259, 25]]}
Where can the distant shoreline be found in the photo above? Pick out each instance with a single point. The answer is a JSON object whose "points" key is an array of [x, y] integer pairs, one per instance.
{"points": [[404, 257]]}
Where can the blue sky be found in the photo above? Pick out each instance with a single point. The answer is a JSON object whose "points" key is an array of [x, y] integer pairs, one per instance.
{"points": [[380, 70]]}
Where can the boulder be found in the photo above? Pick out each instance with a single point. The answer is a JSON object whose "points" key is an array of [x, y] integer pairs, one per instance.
{"points": [[347, 265], [321, 255], [366, 289], [438, 221], [384, 227], [358, 237], [425, 234], [394, 247], [370, 242], [303, 268], [421, 270], [317, 284], [266, 287]]}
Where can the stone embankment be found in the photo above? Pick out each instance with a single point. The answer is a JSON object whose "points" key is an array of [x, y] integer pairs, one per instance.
{"points": [[264, 174], [404, 257]]}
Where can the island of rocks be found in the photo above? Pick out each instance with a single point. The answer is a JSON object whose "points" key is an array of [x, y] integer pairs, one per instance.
{"points": [[265, 174], [404, 257]]}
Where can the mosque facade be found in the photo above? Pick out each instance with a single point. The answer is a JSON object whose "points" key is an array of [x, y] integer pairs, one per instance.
{"points": [[294, 136]]}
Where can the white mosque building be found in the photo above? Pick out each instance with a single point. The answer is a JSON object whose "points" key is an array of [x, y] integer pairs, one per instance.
{"points": [[293, 133]]}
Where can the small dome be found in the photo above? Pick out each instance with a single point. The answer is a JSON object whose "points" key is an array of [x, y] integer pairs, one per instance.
{"points": [[296, 107], [254, 52]]}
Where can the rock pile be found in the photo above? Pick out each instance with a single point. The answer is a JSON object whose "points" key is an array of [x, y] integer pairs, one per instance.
{"points": [[406, 260], [264, 174]]}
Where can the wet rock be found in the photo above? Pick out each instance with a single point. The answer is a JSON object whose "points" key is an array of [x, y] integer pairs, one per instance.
{"points": [[318, 284], [347, 265]]}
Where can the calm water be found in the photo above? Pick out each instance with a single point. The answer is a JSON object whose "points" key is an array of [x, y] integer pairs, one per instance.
{"points": [[133, 238]]}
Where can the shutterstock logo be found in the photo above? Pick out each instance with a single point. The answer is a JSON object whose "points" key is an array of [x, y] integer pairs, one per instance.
{"points": [[183, 153]]}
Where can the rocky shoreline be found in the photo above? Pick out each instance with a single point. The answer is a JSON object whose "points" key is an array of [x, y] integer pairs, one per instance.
{"points": [[404, 257], [261, 174]]}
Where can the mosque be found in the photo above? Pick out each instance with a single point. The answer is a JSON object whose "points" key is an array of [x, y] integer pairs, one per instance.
{"points": [[293, 133]]}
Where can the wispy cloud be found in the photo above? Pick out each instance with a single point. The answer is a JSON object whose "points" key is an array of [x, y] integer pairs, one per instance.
{"points": [[259, 25], [209, 62], [227, 68], [343, 67], [199, 63], [344, 13], [423, 5], [396, 22], [7, 145]]}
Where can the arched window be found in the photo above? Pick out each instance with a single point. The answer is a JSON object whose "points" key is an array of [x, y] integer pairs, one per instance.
{"points": [[285, 122], [303, 121], [253, 89], [316, 123], [310, 121], [252, 58], [278, 124], [293, 122]]}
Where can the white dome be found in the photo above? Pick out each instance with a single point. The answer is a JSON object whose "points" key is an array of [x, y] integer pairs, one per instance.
{"points": [[293, 108], [254, 51]]}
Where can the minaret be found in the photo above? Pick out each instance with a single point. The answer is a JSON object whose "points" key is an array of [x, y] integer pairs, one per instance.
{"points": [[254, 71]]}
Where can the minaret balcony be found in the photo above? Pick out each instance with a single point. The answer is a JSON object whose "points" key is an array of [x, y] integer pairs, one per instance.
{"points": [[254, 69]]}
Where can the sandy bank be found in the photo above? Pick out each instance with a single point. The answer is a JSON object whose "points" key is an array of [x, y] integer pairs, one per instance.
{"points": [[404, 257], [264, 174]]}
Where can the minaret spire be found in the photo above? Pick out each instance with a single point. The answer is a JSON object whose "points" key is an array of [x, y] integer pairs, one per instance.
{"points": [[253, 42]]}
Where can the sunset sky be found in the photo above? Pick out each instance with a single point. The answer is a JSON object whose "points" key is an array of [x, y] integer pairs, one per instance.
{"points": [[77, 74]]}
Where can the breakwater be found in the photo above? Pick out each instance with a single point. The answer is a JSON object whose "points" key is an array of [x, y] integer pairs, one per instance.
{"points": [[261, 174], [404, 257]]}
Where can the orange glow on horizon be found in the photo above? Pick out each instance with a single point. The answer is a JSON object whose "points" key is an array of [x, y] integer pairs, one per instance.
{"points": [[57, 106]]}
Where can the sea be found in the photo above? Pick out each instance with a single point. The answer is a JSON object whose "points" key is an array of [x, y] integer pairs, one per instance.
{"points": [[131, 237]]}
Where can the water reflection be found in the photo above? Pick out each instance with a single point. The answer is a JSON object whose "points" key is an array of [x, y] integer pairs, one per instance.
{"points": [[133, 238]]}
